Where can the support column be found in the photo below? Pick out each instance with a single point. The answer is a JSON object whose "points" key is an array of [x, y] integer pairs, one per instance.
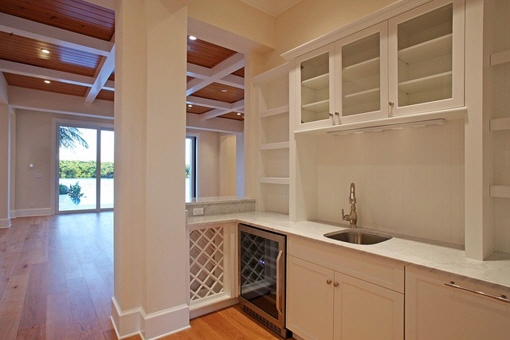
{"points": [[151, 251]]}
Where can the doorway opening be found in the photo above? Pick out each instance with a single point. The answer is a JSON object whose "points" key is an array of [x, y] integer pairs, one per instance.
{"points": [[85, 166]]}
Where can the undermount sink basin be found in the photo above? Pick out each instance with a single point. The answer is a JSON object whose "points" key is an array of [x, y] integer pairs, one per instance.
{"points": [[357, 236]]}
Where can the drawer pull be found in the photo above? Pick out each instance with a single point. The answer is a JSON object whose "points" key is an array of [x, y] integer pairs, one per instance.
{"points": [[501, 298], [328, 282]]}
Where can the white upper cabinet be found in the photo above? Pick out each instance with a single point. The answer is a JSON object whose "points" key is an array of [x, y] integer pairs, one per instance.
{"points": [[411, 63], [361, 59], [315, 88], [426, 63]]}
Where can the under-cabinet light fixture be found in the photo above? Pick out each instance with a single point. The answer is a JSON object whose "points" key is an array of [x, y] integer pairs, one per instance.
{"points": [[394, 126]]}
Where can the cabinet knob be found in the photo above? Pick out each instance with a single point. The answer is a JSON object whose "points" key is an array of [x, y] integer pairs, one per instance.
{"points": [[328, 282], [336, 284]]}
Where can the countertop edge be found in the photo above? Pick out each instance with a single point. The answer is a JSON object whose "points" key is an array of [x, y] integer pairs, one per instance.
{"points": [[419, 254]]}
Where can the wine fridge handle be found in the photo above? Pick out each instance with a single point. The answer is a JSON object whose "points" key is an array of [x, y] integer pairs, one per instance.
{"points": [[278, 283]]}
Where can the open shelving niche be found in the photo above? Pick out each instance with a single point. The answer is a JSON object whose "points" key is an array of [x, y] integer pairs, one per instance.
{"points": [[273, 112], [500, 124]]}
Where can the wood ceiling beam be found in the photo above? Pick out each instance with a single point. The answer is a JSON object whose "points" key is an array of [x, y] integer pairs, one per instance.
{"points": [[193, 121], [33, 30], [211, 103], [200, 72], [234, 107], [44, 73], [105, 70], [36, 100], [218, 72]]}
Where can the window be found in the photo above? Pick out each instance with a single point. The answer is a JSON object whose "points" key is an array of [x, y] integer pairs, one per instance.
{"points": [[191, 168], [85, 168]]}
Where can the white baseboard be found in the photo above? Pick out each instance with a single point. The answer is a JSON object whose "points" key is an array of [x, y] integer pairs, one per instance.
{"points": [[212, 306], [5, 223], [33, 212], [149, 326]]}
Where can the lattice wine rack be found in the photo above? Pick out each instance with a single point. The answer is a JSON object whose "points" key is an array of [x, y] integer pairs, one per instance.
{"points": [[207, 257]]}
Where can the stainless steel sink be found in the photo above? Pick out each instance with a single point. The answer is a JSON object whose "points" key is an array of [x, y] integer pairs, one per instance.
{"points": [[358, 236]]}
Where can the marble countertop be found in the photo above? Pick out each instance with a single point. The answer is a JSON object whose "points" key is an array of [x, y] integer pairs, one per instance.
{"points": [[495, 270]]}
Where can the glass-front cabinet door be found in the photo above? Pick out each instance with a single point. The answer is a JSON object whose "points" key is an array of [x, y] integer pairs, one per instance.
{"points": [[426, 58], [361, 60], [315, 90]]}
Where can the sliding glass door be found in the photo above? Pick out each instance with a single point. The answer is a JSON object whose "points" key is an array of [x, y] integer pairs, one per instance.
{"points": [[85, 168]]}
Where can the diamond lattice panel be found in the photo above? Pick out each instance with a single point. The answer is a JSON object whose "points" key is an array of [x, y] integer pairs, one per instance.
{"points": [[206, 262]]}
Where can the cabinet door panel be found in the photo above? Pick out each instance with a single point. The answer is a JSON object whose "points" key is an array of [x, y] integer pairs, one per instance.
{"points": [[426, 64], [367, 311], [309, 299], [435, 311], [314, 88], [361, 81]]}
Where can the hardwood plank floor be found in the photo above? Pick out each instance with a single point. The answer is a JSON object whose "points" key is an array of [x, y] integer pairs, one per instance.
{"points": [[56, 283]]}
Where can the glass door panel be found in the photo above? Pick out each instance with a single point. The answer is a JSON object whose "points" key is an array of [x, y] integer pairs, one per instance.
{"points": [[77, 169], [361, 76], [315, 88], [107, 169], [85, 169], [425, 57]]}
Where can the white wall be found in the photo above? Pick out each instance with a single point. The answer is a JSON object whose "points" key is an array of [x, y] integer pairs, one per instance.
{"points": [[35, 144], [216, 163], [310, 19], [408, 181], [227, 169]]}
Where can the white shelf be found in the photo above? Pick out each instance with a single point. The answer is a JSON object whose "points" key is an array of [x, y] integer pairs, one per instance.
{"points": [[427, 50], [320, 106], [500, 58], [500, 124], [275, 180], [317, 83], [362, 69], [426, 83], [500, 191], [274, 146], [275, 111], [368, 95]]}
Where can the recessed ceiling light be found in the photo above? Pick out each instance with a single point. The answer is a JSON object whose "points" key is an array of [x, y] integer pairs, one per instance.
{"points": [[192, 37], [47, 82], [45, 51], [190, 106], [239, 114], [224, 90]]}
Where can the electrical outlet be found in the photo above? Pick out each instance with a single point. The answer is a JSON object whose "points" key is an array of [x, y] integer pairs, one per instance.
{"points": [[198, 211]]}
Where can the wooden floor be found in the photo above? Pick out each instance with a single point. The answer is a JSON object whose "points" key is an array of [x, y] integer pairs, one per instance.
{"points": [[56, 283]]}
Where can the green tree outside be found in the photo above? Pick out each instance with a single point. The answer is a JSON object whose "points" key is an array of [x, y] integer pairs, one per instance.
{"points": [[84, 169]]}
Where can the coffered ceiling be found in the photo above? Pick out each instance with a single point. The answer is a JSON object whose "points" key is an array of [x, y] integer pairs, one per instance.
{"points": [[67, 47]]}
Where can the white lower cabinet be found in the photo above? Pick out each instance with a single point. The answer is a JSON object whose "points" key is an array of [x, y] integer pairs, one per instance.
{"points": [[324, 302], [436, 308]]}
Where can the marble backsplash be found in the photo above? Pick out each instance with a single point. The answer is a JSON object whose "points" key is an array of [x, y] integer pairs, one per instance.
{"points": [[219, 205]]}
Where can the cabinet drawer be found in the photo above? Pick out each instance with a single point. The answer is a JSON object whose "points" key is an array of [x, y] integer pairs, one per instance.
{"points": [[436, 309], [372, 268]]}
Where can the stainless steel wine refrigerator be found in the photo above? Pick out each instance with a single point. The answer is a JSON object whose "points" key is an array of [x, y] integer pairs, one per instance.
{"points": [[262, 277]]}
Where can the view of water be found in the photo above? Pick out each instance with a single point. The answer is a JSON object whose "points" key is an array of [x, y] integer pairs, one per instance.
{"points": [[88, 188]]}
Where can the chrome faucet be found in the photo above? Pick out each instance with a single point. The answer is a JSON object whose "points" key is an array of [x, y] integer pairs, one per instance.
{"points": [[352, 217]]}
